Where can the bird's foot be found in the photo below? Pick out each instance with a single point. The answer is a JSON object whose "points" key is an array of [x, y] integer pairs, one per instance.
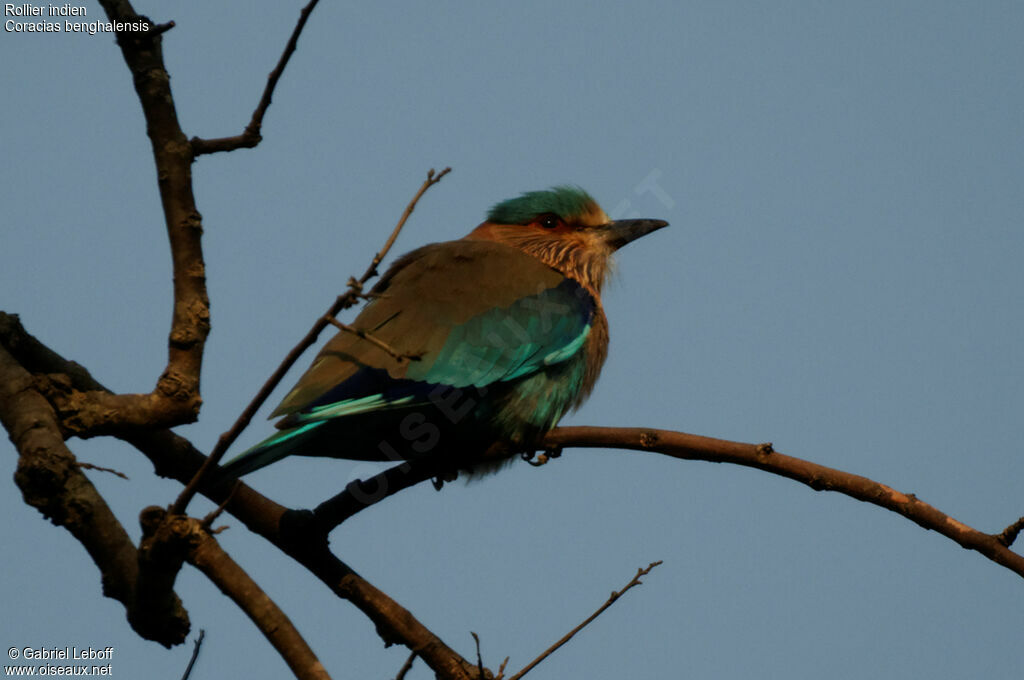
{"points": [[439, 481], [543, 458]]}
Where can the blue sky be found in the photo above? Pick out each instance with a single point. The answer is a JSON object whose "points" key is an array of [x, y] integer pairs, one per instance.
{"points": [[842, 277]]}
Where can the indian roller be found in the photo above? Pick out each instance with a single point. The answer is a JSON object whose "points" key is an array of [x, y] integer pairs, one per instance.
{"points": [[492, 339]]}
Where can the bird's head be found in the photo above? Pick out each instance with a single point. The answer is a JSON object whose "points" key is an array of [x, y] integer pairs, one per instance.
{"points": [[564, 228]]}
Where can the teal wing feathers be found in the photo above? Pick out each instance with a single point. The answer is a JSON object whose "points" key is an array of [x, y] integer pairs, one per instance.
{"points": [[473, 312]]}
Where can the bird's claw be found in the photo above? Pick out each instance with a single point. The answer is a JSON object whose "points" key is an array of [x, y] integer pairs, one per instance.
{"points": [[439, 481], [543, 458]]}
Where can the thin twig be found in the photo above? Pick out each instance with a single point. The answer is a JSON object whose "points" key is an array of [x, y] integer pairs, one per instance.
{"points": [[250, 137], [635, 581], [161, 28], [195, 654], [479, 659], [90, 466], [431, 180], [208, 521], [373, 340], [343, 301], [406, 667]]}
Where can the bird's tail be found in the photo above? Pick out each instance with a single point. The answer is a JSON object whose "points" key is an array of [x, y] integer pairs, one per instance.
{"points": [[271, 449]]}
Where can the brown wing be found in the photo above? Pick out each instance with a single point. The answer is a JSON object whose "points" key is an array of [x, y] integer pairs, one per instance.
{"points": [[420, 299]]}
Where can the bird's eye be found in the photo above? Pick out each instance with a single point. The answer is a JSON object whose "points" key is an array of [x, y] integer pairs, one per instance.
{"points": [[549, 221]]}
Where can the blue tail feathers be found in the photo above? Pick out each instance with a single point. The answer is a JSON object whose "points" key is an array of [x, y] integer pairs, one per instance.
{"points": [[271, 449]]}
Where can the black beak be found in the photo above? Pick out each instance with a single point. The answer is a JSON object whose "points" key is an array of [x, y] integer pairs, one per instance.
{"points": [[619, 233]]}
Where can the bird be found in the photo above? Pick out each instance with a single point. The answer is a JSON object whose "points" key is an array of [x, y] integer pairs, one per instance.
{"points": [[470, 350]]}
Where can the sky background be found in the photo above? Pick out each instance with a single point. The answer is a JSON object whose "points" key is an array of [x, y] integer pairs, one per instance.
{"points": [[843, 277]]}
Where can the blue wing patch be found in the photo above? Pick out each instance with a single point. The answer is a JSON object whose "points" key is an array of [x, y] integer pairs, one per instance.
{"points": [[499, 345]]}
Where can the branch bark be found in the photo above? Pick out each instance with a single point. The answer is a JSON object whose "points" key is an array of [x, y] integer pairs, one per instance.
{"points": [[170, 537], [818, 477], [174, 457], [175, 399], [51, 481]]}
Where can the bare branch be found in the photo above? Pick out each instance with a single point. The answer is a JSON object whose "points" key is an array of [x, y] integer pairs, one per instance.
{"points": [[99, 468], [635, 581], [174, 457], [206, 555], [343, 301], [250, 137], [169, 540], [818, 477], [406, 667], [479, 659], [208, 521], [431, 180], [175, 398], [195, 654], [51, 481]]}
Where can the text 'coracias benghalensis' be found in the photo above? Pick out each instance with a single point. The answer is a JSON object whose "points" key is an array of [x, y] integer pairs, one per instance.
{"points": [[493, 338]]}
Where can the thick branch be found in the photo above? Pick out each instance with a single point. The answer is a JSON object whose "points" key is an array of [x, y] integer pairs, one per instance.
{"points": [[361, 494], [51, 481], [175, 399], [169, 540], [174, 457], [205, 553], [818, 477]]}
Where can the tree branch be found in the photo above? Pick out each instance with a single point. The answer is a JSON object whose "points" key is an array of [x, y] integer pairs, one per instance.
{"points": [[406, 667], [635, 581], [175, 399], [361, 494], [818, 477], [195, 654], [251, 136], [51, 481], [174, 457], [169, 540], [207, 556]]}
